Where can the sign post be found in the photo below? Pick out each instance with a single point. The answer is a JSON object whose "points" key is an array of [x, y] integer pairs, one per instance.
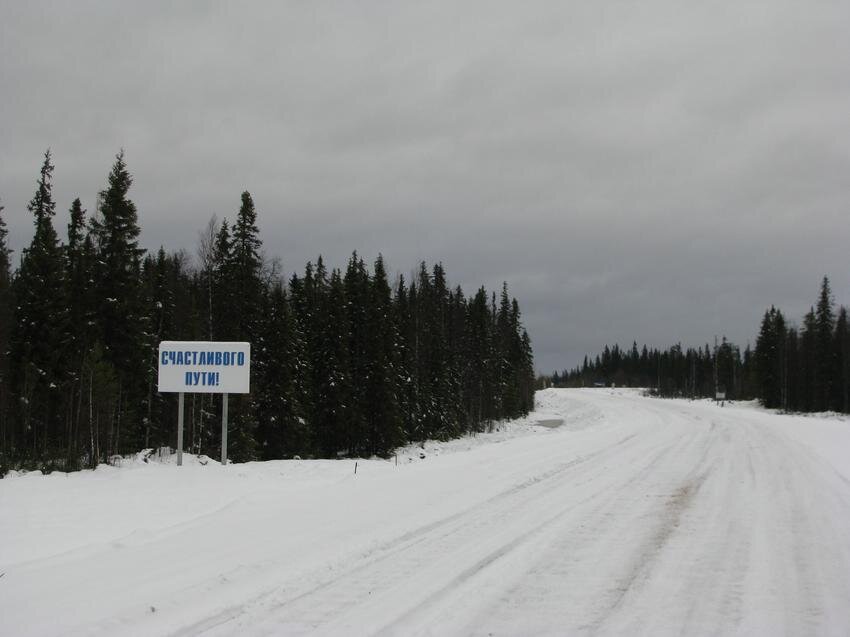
{"points": [[180, 410], [204, 367], [224, 429]]}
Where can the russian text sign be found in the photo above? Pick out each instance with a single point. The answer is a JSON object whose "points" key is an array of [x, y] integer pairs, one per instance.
{"points": [[205, 367]]}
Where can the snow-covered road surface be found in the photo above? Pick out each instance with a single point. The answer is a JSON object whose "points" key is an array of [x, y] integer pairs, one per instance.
{"points": [[637, 516]]}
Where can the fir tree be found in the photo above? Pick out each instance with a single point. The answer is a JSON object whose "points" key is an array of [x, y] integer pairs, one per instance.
{"points": [[331, 380], [824, 354], [281, 430], [841, 349], [401, 320], [79, 266], [357, 296], [383, 420], [808, 362], [479, 381], [40, 325], [6, 305], [223, 323], [769, 359], [794, 374], [244, 283], [246, 266], [120, 313]]}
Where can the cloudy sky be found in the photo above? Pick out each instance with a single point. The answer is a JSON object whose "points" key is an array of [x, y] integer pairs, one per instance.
{"points": [[657, 171]]}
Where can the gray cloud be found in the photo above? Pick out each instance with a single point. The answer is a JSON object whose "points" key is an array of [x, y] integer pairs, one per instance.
{"points": [[652, 171]]}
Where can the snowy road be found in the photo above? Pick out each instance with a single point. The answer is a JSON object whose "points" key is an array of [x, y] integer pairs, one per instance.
{"points": [[638, 516]]}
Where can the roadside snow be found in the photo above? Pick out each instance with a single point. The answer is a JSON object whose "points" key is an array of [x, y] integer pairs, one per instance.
{"points": [[636, 516]]}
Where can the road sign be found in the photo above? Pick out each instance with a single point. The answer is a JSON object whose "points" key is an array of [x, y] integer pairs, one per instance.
{"points": [[204, 367]]}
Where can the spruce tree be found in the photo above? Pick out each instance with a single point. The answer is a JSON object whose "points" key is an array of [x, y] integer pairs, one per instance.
{"points": [[526, 374], [478, 383], [79, 267], [403, 320], [456, 363], [244, 305], [281, 431], [809, 362], [223, 324], [246, 266], [769, 358], [357, 296], [332, 384], [795, 372], [841, 348], [442, 425], [508, 354], [383, 418], [120, 313], [39, 336], [824, 355], [78, 264], [5, 336]]}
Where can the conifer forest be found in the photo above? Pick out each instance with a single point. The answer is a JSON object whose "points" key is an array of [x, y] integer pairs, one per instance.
{"points": [[793, 368], [343, 362]]}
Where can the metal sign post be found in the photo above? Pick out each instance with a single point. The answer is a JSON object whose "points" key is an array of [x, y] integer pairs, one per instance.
{"points": [[224, 429], [180, 410]]}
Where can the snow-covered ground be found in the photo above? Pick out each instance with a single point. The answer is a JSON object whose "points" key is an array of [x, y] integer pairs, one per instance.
{"points": [[636, 516]]}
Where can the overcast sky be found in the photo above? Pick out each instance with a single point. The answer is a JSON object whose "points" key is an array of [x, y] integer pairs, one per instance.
{"points": [[651, 171]]}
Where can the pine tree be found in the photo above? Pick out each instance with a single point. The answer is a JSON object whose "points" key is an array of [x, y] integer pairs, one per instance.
{"points": [[769, 358], [244, 305], [331, 380], [479, 381], [456, 363], [161, 294], [508, 353], [383, 419], [281, 429], [808, 363], [404, 347], [79, 266], [824, 355], [224, 313], [40, 326], [522, 364], [526, 375], [443, 425], [841, 348], [6, 305], [246, 265], [794, 374], [120, 313], [425, 343], [357, 292]]}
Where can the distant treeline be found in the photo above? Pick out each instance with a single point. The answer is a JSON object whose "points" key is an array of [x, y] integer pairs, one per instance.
{"points": [[803, 368], [343, 363]]}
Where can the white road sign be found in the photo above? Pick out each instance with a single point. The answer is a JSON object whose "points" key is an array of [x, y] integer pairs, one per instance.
{"points": [[204, 367]]}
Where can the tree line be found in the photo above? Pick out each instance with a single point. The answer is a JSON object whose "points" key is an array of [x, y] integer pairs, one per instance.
{"points": [[343, 362], [801, 369]]}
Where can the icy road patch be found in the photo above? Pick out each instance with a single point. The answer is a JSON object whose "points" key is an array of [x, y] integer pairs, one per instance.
{"points": [[635, 516]]}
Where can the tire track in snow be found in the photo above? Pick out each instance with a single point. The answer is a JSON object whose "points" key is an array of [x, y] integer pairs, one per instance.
{"points": [[466, 560], [343, 587], [596, 582]]}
